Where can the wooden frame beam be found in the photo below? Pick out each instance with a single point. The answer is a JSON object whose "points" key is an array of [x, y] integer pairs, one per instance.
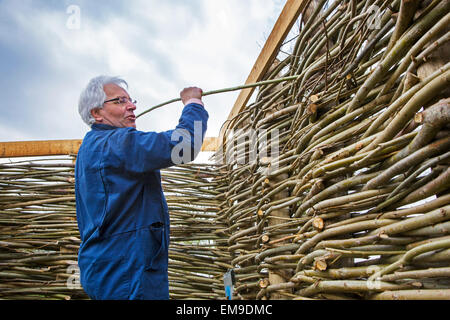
{"points": [[283, 25], [61, 147], [38, 148]]}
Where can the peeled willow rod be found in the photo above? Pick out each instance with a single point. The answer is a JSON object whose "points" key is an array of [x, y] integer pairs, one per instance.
{"points": [[249, 85]]}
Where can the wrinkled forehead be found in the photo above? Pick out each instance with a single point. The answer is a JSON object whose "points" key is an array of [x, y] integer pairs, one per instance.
{"points": [[112, 90]]}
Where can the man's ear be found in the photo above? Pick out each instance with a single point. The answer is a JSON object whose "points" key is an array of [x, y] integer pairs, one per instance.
{"points": [[97, 114]]}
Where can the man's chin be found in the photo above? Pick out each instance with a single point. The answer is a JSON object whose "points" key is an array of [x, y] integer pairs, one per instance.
{"points": [[131, 123]]}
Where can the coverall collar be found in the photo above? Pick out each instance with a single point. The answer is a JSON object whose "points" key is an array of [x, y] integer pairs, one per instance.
{"points": [[101, 126]]}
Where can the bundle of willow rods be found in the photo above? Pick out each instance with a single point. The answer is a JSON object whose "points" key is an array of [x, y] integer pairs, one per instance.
{"points": [[357, 204], [39, 237]]}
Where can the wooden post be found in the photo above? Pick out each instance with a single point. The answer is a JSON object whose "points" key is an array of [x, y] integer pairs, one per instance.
{"points": [[283, 25]]}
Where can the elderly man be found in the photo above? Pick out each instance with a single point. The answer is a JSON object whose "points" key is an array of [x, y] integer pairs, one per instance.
{"points": [[122, 213]]}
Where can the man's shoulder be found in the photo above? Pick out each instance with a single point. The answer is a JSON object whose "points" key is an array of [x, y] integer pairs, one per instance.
{"points": [[96, 140]]}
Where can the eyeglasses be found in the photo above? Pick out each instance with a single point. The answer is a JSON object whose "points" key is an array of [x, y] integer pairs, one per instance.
{"points": [[121, 100]]}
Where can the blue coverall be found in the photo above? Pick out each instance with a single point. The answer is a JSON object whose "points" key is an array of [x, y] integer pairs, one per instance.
{"points": [[122, 213]]}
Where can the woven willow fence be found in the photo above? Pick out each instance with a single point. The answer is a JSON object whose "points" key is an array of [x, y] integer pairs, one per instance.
{"points": [[39, 237], [356, 204], [347, 197]]}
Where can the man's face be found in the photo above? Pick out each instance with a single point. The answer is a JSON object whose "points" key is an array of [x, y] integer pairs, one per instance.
{"points": [[115, 113]]}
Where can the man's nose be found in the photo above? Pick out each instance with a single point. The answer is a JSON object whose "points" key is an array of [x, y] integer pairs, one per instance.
{"points": [[131, 106]]}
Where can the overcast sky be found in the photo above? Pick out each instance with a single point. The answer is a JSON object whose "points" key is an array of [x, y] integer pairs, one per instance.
{"points": [[49, 49]]}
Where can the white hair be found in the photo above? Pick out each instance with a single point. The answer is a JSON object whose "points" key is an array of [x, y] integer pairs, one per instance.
{"points": [[93, 96]]}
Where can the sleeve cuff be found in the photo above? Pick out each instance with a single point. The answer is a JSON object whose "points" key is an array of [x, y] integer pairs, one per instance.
{"points": [[194, 100]]}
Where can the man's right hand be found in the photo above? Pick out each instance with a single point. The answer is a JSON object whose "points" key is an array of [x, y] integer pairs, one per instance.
{"points": [[190, 93]]}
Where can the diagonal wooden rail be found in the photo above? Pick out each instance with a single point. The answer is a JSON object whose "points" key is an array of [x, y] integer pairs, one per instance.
{"points": [[283, 25], [61, 147]]}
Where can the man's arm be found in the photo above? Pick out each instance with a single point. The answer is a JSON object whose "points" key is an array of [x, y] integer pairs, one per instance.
{"points": [[139, 152]]}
